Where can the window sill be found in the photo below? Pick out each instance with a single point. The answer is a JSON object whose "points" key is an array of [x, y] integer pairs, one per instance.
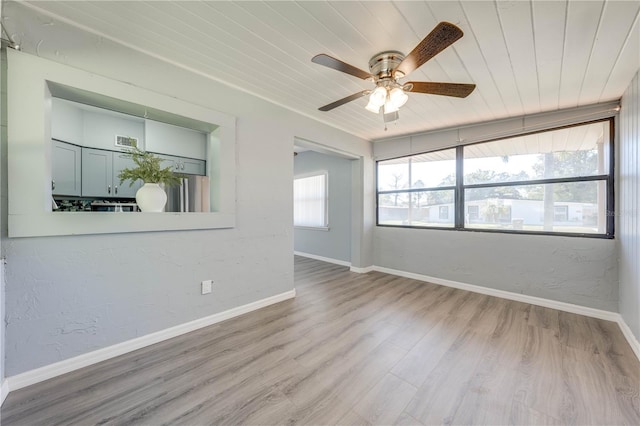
{"points": [[503, 231], [85, 223], [312, 228]]}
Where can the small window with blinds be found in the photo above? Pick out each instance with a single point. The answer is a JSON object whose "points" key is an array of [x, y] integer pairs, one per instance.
{"points": [[310, 201]]}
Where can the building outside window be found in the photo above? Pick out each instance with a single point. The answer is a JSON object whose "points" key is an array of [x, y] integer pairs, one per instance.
{"points": [[473, 213], [443, 212], [560, 213]]}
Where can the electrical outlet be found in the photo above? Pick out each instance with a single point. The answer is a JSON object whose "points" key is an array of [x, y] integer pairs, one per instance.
{"points": [[206, 286]]}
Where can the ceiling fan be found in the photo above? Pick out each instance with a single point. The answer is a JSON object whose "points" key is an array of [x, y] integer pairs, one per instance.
{"points": [[386, 68]]}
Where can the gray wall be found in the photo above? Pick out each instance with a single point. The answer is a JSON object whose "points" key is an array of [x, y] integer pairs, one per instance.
{"points": [[67, 296], [3, 195], [629, 207], [335, 243], [575, 270], [582, 271]]}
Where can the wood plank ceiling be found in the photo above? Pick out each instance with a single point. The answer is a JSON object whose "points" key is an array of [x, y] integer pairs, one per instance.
{"points": [[525, 56]]}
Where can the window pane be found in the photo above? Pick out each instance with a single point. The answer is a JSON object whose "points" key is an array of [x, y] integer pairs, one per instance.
{"points": [[430, 170], [561, 207], [309, 201], [393, 174], [571, 152], [427, 209], [434, 169]]}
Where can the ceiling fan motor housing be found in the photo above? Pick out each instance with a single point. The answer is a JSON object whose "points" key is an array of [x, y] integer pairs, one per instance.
{"points": [[383, 64]]}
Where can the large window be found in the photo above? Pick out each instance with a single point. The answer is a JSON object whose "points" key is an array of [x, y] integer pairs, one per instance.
{"points": [[310, 201], [558, 181]]}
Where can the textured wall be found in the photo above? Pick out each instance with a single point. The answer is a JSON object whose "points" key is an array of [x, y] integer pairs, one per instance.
{"points": [[576, 270], [3, 196], [66, 296], [335, 243], [629, 207], [582, 271]]}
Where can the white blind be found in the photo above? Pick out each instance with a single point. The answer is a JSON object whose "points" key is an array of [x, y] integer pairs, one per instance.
{"points": [[310, 201]]}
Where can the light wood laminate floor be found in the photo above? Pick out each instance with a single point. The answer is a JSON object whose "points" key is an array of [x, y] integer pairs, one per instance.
{"points": [[359, 349]]}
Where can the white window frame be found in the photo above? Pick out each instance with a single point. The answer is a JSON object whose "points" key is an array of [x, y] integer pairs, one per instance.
{"points": [[325, 226]]}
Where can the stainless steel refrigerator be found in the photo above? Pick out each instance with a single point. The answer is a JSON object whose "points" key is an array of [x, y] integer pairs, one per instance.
{"points": [[192, 195]]}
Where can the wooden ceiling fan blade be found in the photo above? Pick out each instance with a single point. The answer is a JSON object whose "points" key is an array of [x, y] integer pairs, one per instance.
{"points": [[457, 90], [338, 65], [344, 100], [441, 37]]}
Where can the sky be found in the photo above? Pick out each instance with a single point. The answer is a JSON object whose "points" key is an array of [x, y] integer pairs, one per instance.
{"points": [[432, 173]]}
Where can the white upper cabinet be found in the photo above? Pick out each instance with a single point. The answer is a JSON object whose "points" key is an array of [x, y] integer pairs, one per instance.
{"points": [[187, 166], [97, 173], [66, 121], [193, 167], [100, 170], [93, 127], [100, 129], [174, 140], [65, 169], [126, 190]]}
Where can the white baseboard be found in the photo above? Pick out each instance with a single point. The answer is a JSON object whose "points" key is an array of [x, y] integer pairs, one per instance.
{"points": [[4, 387], [335, 261], [322, 258], [56, 369], [533, 300], [362, 270], [4, 391], [547, 303], [633, 341]]}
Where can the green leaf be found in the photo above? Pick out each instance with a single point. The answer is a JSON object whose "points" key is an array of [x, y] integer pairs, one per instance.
{"points": [[148, 170]]}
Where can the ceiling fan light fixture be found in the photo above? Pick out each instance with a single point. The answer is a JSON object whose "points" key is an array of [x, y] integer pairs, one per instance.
{"points": [[378, 97], [372, 107], [389, 107], [397, 97]]}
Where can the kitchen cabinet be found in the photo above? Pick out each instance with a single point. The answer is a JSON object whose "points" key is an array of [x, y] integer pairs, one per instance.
{"points": [[66, 121], [65, 169], [122, 161], [101, 127], [192, 167], [175, 140], [100, 169], [97, 173], [92, 127], [189, 166]]}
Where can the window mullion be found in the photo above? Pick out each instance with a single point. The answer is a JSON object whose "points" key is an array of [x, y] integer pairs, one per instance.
{"points": [[610, 219], [410, 205], [409, 191], [459, 191]]}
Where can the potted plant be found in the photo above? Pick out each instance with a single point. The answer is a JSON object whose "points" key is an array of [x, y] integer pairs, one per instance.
{"points": [[151, 196]]}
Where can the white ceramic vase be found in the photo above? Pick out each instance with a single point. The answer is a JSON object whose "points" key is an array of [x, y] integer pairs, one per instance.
{"points": [[151, 198]]}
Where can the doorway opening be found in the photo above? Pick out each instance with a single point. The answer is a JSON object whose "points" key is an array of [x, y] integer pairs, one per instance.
{"points": [[326, 190]]}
